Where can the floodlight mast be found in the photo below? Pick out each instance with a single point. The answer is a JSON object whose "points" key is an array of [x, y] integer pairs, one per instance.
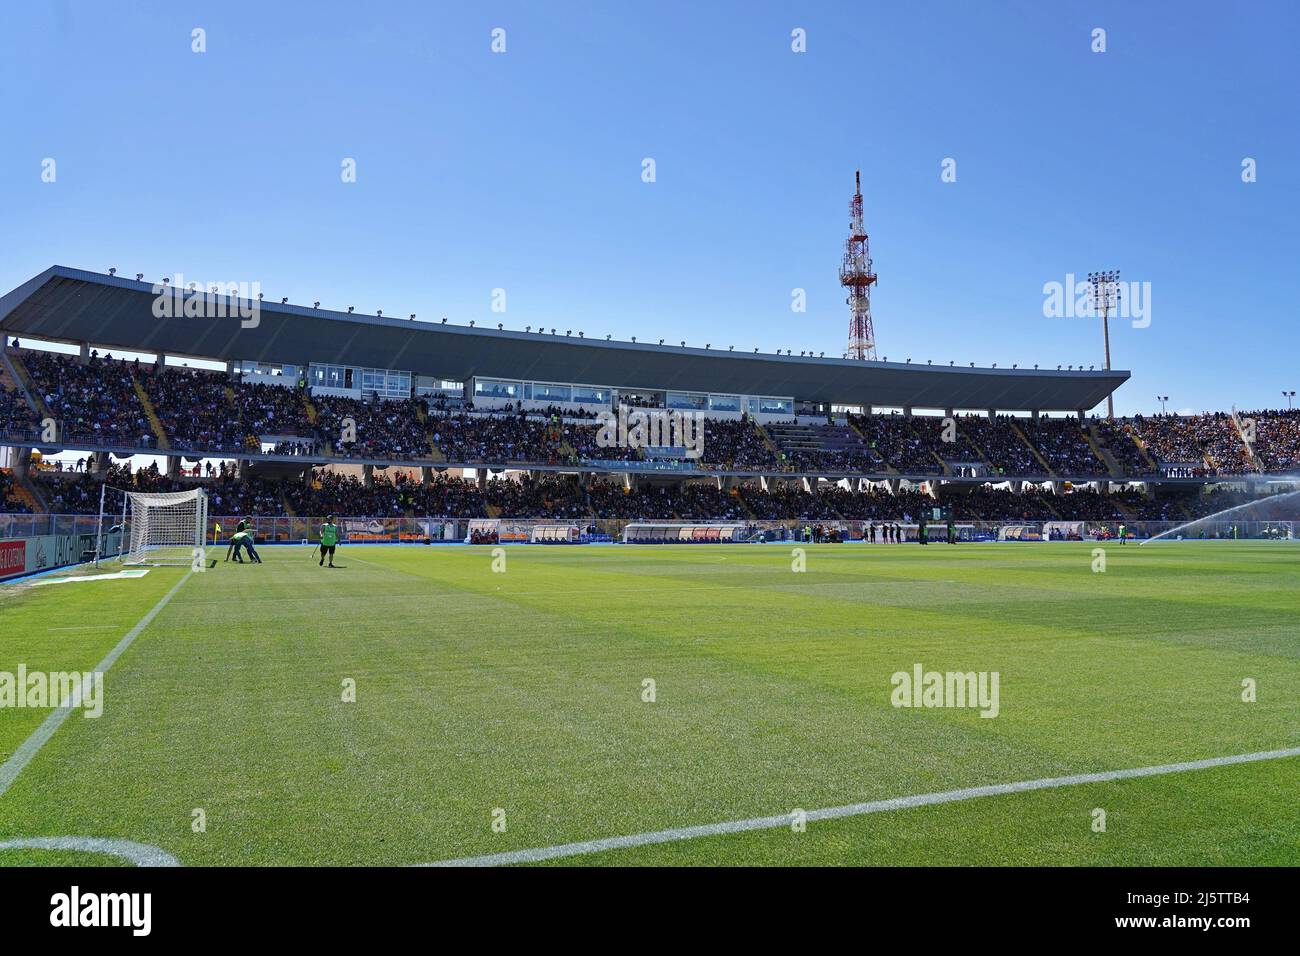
{"points": [[1105, 296], [857, 276]]}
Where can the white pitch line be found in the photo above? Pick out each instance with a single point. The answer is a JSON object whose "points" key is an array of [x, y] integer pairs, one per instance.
{"points": [[41, 735], [851, 810], [141, 854]]}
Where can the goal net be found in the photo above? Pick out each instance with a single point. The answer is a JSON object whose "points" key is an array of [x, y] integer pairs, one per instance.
{"points": [[166, 528]]}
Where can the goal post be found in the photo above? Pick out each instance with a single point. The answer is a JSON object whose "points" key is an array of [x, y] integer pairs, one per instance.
{"points": [[110, 528], [166, 528]]}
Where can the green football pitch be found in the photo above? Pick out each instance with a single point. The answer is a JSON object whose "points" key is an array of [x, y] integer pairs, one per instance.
{"points": [[426, 704]]}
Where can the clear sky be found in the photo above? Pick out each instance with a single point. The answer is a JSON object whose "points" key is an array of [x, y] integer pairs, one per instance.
{"points": [[522, 170]]}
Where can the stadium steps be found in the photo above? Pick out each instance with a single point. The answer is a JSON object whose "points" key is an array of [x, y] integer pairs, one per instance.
{"points": [[1141, 446], [25, 491], [308, 407], [947, 468], [777, 455], [7, 382], [795, 438], [749, 512], [938, 459], [284, 503], [22, 380], [866, 443], [1250, 450], [1102, 452], [164, 443], [979, 453], [1124, 509], [493, 511], [1047, 469]]}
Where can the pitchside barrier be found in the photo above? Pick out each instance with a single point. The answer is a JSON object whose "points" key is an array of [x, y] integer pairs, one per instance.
{"points": [[437, 530], [45, 552]]}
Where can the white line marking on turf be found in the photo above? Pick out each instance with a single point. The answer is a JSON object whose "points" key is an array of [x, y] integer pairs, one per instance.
{"points": [[41, 735], [852, 810], [141, 854]]}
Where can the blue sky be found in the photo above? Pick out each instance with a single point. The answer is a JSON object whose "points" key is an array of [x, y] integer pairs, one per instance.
{"points": [[522, 170]]}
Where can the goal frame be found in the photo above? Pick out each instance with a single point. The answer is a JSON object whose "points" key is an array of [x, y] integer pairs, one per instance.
{"points": [[162, 529]]}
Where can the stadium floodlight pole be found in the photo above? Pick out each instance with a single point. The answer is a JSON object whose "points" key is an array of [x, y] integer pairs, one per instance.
{"points": [[1289, 396], [1105, 295], [1162, 399]]}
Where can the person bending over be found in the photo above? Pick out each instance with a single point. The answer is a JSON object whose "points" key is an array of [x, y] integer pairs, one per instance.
{"points": [[240, 541]]}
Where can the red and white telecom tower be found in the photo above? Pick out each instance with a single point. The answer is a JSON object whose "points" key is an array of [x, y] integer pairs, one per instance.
{"points": [[857, 276]]}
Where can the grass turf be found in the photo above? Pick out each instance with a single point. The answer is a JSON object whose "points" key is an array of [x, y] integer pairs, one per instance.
{"points": [[522, 690]]}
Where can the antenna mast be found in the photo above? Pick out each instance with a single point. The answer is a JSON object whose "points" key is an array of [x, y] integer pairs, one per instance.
{"points": [[857, 277]]}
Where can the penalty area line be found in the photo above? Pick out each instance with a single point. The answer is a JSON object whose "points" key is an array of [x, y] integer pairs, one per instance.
{"points": [[30, 747], [851, 810]]}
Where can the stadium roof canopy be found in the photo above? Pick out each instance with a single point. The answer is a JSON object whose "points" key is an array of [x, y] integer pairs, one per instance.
{"points": [[73, 306]]}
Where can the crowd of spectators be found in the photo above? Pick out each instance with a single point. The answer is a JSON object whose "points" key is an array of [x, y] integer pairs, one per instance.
{"points": [[266, 409], [1207, 444], [952, 445], [17, 418], [546, 496], [374, 429], [10, 502], [893, 439], [195, 410], [1064, 445], [1117, 437], [1277, 440], [565, 497], [986, 503], [1004, 450], [95, 402], [690, 501], [735, 446], [496, 439], [584, 440], [827, 448]]}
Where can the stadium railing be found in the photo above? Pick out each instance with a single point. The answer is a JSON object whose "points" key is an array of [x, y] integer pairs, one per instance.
{"points": [[295, 530]]}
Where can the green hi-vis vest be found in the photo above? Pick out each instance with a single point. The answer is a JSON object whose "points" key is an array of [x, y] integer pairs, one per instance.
{"points": [[329, 535]]}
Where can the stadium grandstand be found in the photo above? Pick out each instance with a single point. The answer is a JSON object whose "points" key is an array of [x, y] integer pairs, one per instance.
{"points": [[306, 412]]}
